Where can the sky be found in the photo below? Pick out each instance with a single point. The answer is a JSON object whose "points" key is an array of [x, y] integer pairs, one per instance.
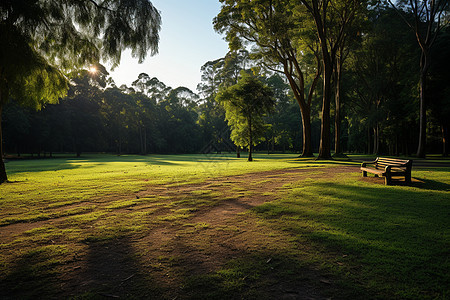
{"points": [[187, 41]]}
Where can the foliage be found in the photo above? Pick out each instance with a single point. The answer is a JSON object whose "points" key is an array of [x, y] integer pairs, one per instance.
{"points": [[275, 34], [428, 20], [379, 94], [383, 85], [245, 104], [43, 40]]}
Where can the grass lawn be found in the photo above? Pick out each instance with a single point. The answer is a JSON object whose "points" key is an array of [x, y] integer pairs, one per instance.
{"points": [[217, 227]]}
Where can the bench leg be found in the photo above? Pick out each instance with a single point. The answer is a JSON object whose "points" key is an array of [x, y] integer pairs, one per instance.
{"points": [[376, 175], [408, 178], [364, 173], [387, 180]]}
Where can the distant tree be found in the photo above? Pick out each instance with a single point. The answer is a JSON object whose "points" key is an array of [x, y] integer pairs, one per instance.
{"points": [[178, 121], [82, 108], [380, 85], [234, 62], [43, 39], [211, 78], [245, 104], [426, 25], [17, 126], [284, 118], [212, 122], [439, 87]]}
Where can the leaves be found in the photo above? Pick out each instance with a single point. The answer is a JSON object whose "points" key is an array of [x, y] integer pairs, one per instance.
{"points": [[245, 104]]}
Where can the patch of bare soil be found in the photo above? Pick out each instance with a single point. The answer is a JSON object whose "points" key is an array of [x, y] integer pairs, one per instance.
{"points": [[160, 263]]}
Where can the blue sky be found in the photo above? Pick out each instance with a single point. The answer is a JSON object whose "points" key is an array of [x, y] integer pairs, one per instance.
{"points": [[187, 41]]}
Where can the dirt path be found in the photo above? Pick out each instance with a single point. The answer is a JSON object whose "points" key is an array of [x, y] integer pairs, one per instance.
{"points": [[159, 263]]}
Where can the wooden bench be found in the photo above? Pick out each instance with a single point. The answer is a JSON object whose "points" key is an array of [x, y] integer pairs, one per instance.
{"points": [[388, 167]]}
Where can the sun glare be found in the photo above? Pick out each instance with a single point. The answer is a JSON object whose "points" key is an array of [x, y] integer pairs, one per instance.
{"points": [[93, 70]]}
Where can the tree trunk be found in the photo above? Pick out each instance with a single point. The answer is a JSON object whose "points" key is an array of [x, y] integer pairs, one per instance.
{"points": [[376, 139], [325, 131], [423, 109], [337, 115], [307, 140], [119, 145], [141, 143], [3, 177], [305, 112], [145, 141], [396, 145], [306, 123], [444, 140], [250, 133], [238, 152]]}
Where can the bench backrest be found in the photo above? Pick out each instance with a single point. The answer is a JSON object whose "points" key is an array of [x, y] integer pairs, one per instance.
{"points": [[382, 162]]}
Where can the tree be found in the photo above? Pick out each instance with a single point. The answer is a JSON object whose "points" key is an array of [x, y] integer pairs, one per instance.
{"points": [[283, 119], [426, 27], [245, 104], [43, 39], [331, 18], [439, 87], [178, 121], [380, 85], [211, 114], [270, 25]]}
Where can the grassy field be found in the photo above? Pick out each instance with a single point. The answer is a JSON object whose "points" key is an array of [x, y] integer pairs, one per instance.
{"points": [[217, 227]]}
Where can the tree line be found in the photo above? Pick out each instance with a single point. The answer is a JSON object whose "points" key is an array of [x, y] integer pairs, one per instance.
{"points": [[341, 76], [148, 117]]}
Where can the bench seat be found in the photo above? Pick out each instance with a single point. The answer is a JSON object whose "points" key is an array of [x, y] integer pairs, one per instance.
{"points": [[388, 168]]}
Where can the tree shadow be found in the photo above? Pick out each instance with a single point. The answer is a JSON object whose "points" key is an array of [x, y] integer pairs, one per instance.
{"points": [[427, 184], [386, 234], [416, 182], [110, 270], [32, 276]]}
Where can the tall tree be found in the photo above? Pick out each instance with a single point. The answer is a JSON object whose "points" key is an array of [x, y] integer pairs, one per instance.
{"points": [[270, 25], [439, 87], [245, 103], [43, 39], [211, 114], [331, 18], [426, 26], [380, 84], [82, 105]]}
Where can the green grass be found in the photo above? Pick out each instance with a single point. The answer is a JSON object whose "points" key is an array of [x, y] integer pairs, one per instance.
{"points": [[344, 237], [394, 240]]}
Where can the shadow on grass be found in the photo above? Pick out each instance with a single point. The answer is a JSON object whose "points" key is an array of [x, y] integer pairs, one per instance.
{"points": [[86, 162], [385, 239], [427, 184], [416, 182], [109, 271], [32, 276], [112, 271], [257, 275]]}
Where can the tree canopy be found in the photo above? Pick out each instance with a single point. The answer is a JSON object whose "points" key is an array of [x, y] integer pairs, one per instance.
{"points": [[44, 40], [245, 104]]}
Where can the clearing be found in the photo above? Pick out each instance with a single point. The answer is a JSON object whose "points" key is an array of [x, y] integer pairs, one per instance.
{"points": [[308, 231]]}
